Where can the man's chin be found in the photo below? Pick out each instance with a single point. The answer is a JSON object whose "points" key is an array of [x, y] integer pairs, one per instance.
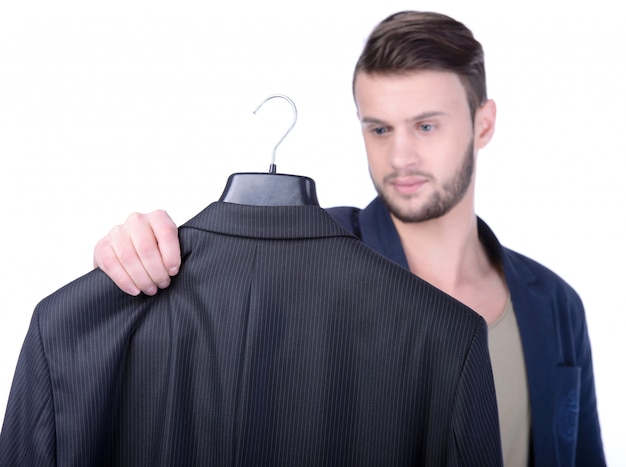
{"points": [[407, 212]]}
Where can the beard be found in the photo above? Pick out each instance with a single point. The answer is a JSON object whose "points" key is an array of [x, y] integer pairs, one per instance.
{"points": [[438, 203]]}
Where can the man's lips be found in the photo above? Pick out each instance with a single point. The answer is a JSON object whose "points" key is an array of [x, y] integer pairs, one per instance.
{"points": [[407, 185]]}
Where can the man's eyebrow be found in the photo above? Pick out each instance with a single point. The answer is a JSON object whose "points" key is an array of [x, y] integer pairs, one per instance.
{"points": [[418, 117], [427, 115], [372, 120]]}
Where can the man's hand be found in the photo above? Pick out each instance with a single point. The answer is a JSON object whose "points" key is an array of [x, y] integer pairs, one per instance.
{"points": [[141, 254]]}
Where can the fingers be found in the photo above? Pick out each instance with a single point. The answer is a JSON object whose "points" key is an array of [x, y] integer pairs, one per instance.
{"points": [[166, 235], [131, 254], [106, 259]]}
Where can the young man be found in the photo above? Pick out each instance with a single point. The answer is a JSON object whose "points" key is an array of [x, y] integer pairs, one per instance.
{"points": [[420, 92]]}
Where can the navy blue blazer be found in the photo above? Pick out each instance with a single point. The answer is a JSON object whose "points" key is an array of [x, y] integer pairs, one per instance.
{"points": [[552, 325], [283, 341]]}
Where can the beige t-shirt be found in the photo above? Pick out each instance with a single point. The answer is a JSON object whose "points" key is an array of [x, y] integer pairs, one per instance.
{"points": [[509, 372]]}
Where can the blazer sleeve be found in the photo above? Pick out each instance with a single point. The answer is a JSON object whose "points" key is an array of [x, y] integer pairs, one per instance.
{"points": [[475, 426], [28, 431], [589, 447]]}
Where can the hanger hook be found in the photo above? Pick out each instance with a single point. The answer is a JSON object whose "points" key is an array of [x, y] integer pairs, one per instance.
{"points": [[295, 118]]}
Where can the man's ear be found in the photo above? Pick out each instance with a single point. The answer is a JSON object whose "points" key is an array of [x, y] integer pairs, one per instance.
{"points": [[484, 123]]}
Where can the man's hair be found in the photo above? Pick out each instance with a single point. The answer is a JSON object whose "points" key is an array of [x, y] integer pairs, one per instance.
{"points": [[411, 41]]}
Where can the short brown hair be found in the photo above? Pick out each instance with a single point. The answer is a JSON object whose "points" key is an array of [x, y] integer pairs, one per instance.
{"points": [[412, 41]]}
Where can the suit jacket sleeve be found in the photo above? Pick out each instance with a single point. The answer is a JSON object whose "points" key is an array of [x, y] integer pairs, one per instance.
{"points": [[28, 433], [475, 427]]}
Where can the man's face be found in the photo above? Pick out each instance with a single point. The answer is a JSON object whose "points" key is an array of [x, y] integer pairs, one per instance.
{"points": [[419, 139]]}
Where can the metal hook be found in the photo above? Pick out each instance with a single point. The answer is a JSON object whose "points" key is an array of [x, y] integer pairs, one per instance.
{"points": [[295, 118]]}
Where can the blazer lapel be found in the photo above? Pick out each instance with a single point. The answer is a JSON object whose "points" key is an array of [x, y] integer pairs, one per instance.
{"points": [[536, 327], [379, 233]]}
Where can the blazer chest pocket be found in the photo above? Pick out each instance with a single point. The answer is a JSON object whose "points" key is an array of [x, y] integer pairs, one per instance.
{"points": [[567, 406]]}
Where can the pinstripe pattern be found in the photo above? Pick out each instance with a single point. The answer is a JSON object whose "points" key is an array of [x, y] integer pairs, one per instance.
{"points": [[282, 341]]}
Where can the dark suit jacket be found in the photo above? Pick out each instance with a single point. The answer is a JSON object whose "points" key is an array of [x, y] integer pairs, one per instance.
{"points": [[283, 340], [553, 329]]}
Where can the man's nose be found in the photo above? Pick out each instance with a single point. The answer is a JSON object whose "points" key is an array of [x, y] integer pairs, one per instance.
{"points": [[404, 150]]}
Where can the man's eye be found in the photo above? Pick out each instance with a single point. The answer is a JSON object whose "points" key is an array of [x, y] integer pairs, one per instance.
{"points": [[425, 127], [379, 130]]}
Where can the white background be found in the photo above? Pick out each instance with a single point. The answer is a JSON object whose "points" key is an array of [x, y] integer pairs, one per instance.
{"points": [[112, 107]]}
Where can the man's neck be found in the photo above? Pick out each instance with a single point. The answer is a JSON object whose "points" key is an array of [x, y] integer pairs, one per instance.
{"points": [[442, 251], [447, 253]]}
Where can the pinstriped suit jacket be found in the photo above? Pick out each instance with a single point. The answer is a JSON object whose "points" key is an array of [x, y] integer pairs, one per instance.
{"points": [[283, 340]]}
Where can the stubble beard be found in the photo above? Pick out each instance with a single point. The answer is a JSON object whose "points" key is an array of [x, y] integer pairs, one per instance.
{"points": [[440, 202]]}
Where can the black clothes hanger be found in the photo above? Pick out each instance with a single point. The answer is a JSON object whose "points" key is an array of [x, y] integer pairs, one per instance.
{"points": [[271, 189]]}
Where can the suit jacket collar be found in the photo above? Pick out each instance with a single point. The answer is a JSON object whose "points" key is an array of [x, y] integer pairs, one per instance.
{"points": [[282, 222]]}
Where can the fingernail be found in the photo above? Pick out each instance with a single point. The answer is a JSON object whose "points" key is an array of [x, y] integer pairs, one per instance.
{"points": [[151, 290], [173, 271]]}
